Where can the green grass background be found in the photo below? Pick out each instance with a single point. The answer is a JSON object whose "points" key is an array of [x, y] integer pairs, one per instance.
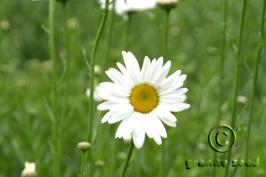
{"points": [[194, 47]]}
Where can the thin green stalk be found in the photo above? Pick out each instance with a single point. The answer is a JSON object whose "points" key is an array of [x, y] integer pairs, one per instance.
{"points": [[222, 60], [56, 121], [82, 164], [166, 32], [255, 81], [128, 30], [92, 63], [236, 76], [129, 154], [161, 169], [67, 59], [109, 38], [165, 46]]}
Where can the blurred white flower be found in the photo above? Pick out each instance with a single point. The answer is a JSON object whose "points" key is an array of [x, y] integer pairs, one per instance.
{"points": [[122, 155], [122, 7], [95, 94], [142, 98], [242, 99], [4, 25], [72, 23], [29, 170], [97, 69], [83, 145], [167, 4], [99, 163]]}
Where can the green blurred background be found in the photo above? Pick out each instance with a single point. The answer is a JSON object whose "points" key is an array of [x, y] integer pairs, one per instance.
{"points": [[194, 47]]}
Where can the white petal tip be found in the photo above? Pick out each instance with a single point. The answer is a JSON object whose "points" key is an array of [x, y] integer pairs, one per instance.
{"points": [[159, 143], [138, 146]]}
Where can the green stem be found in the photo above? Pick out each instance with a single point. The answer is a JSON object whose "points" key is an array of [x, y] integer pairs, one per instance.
{"points": [[56, 122], [236, 76], [166, 32], [67, 58], [129, 154], [91, 70], [128, 30], [82, 164], [161, 169], [165, 46], [255, 80], [109, 38], [222, 60]]}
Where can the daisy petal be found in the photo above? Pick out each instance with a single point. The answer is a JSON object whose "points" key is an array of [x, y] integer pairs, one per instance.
{"points": [[118, 116], [132, 66], [168, 122], [126, 127], [159, 126], [150, 71], [162, 113], [113, 88], [173, 85], [157, 138], [175, 108], [138, 138], [106, 117], [118, 78], [139, 132], [144, 70], [164, 73], [156, 71]]}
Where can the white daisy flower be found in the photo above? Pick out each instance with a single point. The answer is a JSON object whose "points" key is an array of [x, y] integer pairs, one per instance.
{"points": [[142, 98], [29, 170], [122, 7]]}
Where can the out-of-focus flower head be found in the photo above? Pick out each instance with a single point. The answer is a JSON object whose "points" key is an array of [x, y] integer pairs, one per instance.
{"points": [[123, 7], [29, 170], [167, 4], [83, 146], [4, 25], [95, 94]]}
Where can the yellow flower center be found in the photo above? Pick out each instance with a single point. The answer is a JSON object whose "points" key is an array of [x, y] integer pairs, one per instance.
{"points": [[144, 98]]}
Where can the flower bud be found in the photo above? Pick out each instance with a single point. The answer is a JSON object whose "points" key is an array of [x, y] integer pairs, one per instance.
{"points": [[97, 69], [96, 95], [29, 170], [99, 163], [242, 99], [4, 25], [122, 155], [72, 23], [83, 146], [167, 4]]}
